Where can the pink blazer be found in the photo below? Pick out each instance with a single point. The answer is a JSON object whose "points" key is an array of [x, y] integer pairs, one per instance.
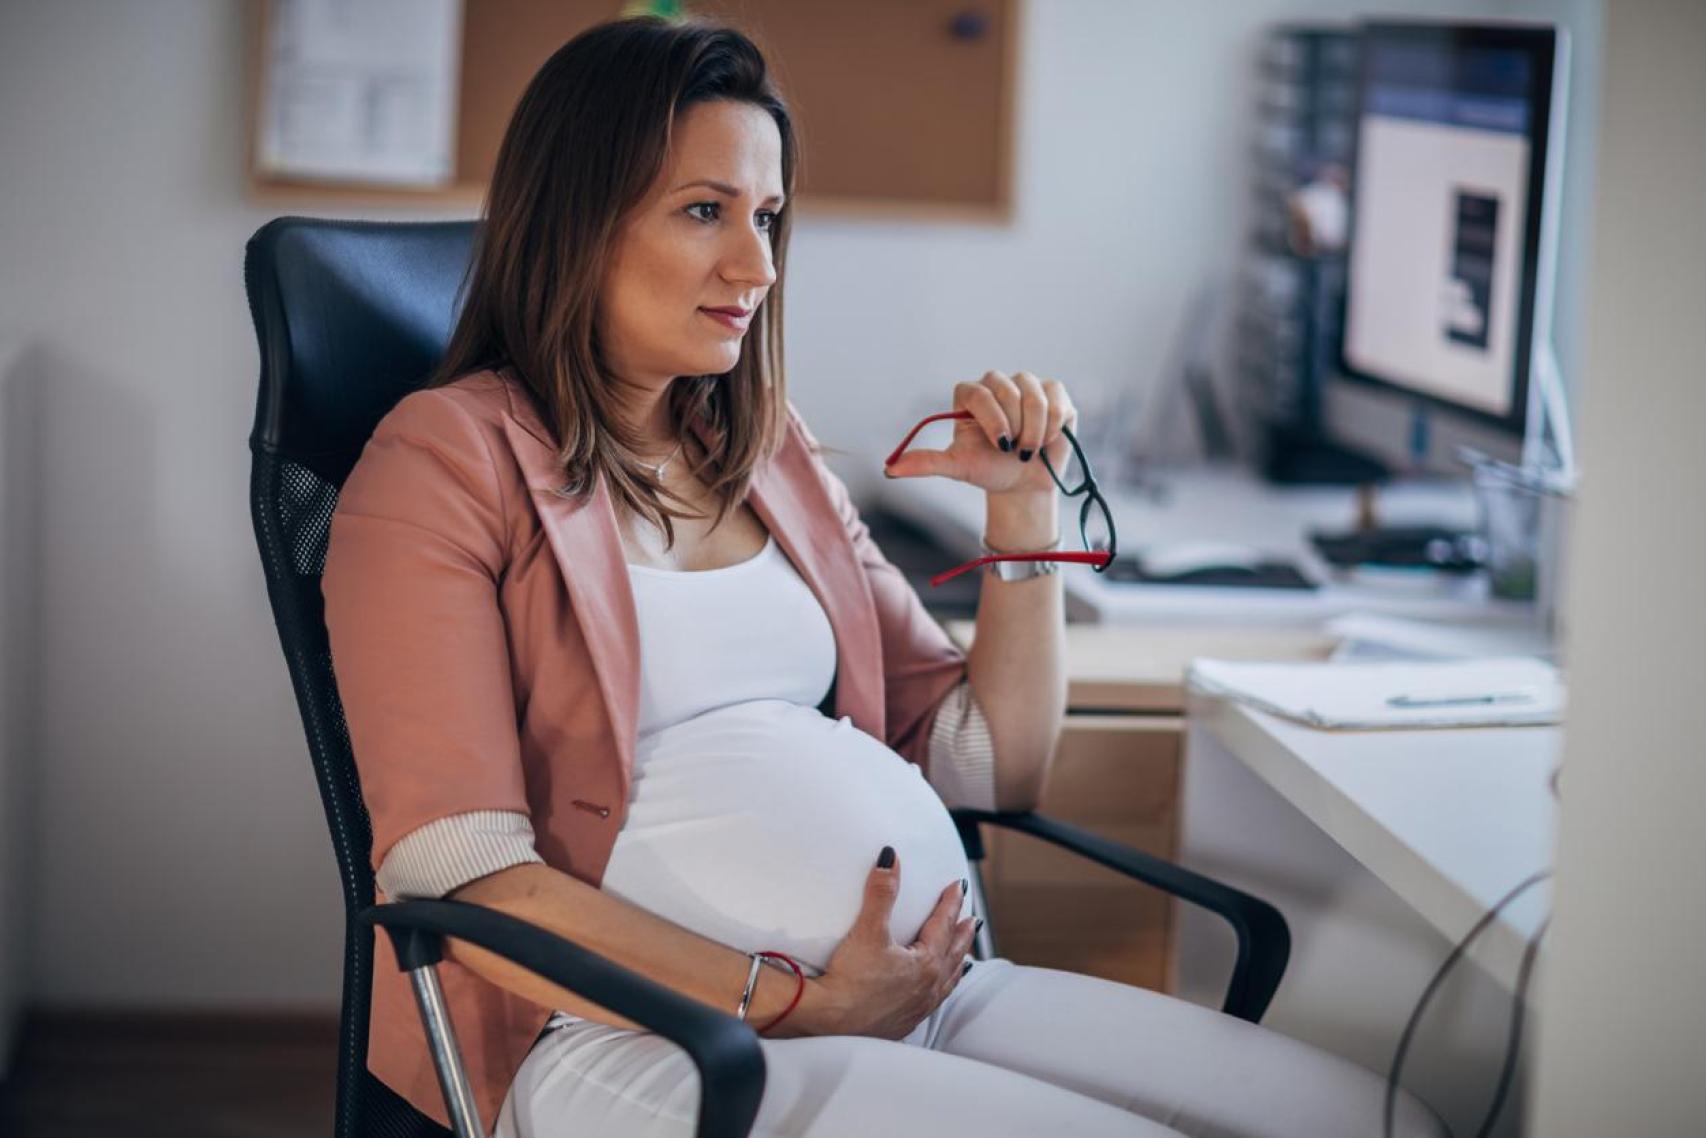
{"points": [[485, 646]]}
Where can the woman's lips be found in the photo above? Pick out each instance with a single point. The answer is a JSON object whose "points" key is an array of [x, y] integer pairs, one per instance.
{"points": [[734, 319]]}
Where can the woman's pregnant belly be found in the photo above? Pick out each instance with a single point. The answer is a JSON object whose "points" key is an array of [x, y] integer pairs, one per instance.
{"points": [[757, 824]]}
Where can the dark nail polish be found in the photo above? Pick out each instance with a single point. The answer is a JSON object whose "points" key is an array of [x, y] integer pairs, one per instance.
{"points": [[966, 967], [1024, 456], [978, 927], [1004, 443], [886, 858], [964, 886]]}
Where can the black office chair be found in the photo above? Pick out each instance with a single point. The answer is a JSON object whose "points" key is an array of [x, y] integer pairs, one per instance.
{"points": [[350, 317]]}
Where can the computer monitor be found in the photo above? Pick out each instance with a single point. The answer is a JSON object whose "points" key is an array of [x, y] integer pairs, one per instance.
{"points": [[1454, 194]]}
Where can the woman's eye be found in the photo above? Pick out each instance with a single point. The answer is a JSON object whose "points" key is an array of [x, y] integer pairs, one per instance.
{"points": [[711, 211]]}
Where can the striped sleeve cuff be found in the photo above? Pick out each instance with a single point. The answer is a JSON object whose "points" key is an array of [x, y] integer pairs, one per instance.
{"points": [[448, 853], [962, 757]]}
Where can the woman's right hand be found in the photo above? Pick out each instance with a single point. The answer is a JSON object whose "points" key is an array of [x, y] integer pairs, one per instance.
{"points": [[873, 986]]}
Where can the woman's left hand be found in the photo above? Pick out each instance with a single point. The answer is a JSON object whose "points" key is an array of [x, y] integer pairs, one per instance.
{"points": [[1025, 411]]}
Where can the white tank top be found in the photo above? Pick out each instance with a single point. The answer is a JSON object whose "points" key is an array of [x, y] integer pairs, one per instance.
{"points": [[753, 818]]}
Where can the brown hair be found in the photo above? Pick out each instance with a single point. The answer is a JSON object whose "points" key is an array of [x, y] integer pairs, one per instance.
{"points": [[585, 144]]}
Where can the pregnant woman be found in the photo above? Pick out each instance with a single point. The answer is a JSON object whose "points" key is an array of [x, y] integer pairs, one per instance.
{"points": [[620, 659]]}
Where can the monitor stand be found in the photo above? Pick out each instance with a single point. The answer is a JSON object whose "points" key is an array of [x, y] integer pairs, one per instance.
{"points": [[1548, 462], [1411, 546]]}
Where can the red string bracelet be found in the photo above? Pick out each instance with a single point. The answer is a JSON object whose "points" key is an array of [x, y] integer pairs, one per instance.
{"points": [[799, 988]]}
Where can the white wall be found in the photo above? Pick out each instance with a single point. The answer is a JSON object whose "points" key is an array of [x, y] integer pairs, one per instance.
{"points": [[177, 815], [1623, 1002], [181, 854]]}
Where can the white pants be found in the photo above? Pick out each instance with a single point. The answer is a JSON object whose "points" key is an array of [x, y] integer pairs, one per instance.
{"points": [[1014, 1052]]}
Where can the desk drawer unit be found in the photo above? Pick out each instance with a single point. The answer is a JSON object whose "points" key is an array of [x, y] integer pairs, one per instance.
{"points": [[1117, 775]]}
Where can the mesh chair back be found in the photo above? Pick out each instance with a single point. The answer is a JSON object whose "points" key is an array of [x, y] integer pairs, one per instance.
{"points": [[350, 316]]}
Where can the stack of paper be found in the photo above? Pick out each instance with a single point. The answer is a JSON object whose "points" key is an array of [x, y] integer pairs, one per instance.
{"points": [[1504, 691]]}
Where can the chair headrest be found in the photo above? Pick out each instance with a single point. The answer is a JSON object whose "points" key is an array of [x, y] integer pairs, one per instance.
{"points": [[350, 317]]}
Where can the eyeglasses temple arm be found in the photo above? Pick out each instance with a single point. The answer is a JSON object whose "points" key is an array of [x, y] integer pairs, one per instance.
{"points": [[1096, 557], [895, 454]]}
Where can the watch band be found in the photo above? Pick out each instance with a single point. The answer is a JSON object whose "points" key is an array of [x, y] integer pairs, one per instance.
{"points": [[1019, 570]]}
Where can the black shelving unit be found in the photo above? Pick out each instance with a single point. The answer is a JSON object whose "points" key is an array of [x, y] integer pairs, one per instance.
{"points": [[1290, 302]]}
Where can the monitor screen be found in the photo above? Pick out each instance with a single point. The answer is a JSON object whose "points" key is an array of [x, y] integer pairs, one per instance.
{"points": [[1446, 193]]}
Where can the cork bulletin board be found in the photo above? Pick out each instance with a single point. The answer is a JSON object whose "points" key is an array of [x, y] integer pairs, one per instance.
{"points": [[904, 107]]}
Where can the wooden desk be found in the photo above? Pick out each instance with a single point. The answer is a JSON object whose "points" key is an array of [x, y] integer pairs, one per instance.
{"points": [[1117, 771]]}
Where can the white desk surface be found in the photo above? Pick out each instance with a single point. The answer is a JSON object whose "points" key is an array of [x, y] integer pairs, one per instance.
{"points": [[1450, 820], [1229, 503]]}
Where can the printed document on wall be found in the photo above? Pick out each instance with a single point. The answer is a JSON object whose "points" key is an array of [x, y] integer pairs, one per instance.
{"points": [[361, 91]]}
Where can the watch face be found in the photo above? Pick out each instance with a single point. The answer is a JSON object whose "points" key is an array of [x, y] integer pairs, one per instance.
{"points": [[1022, 570]]}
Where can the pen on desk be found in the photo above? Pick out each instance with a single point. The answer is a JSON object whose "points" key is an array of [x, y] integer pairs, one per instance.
{"points": [[1460, 700]]}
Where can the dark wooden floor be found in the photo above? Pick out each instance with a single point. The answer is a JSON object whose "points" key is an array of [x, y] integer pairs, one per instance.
{"points": [[138, 1075]]}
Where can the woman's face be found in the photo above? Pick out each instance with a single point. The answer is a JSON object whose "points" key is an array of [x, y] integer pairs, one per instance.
{"points": [[692, 261]]}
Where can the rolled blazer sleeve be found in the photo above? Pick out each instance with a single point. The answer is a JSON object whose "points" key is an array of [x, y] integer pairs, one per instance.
{"points": [[921, 664], [419, 648]]}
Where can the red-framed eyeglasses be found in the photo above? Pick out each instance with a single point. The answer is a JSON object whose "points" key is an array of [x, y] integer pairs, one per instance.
{"points": [[1095, 520]]}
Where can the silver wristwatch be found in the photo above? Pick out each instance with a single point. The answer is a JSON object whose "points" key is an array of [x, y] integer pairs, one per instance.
{"points": [[1018, 570]]}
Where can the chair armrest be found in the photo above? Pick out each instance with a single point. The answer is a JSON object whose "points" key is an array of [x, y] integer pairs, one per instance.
{"points": [[723, 1048], [1264, 940]]}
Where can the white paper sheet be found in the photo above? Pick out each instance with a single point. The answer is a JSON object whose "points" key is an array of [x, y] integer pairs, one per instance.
{"points": [[362, 90], [1520, 691]]}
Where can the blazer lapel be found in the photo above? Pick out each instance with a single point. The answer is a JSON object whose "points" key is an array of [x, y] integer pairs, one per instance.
{"points": [[583, 536]]}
